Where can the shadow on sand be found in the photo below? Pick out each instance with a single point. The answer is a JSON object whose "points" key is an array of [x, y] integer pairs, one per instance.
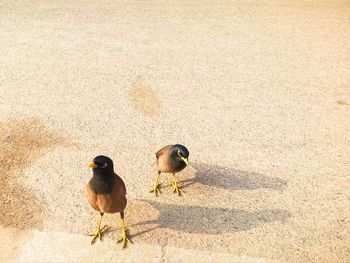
{"points": [[229, 178], [208, 220]]}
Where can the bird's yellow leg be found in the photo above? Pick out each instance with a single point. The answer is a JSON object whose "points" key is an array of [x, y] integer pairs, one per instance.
{"points": [[156, 186], [175, 187], [124, 237], [98, 231]]}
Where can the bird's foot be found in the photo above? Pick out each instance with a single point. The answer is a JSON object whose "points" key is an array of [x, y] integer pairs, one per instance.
{"points": [[124, 239], [97, 234], [156, 190], [176, 189]]}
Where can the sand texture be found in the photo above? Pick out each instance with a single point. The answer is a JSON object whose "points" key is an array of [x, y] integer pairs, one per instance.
{"points": [[258, 91]]}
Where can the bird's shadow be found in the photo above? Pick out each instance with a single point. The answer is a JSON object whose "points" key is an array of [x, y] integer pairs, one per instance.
{"points": [[230, 178], [207, 220]]}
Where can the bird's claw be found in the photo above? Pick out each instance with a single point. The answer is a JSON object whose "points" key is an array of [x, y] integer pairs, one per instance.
{"points": [[97, 234], [156, 190], [176, 189], [124, 239]]}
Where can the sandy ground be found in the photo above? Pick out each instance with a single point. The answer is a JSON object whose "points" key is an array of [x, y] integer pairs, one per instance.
{"points": [[259, 92]]}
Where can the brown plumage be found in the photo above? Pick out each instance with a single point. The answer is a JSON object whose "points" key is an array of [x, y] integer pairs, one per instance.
{"points": [[171, 159], [106, 193], [112, 202], [162, 159]]}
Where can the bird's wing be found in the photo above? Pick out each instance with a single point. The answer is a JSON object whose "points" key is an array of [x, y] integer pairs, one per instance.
{"points": [[119, 195], [120, 185], [165, 149]]}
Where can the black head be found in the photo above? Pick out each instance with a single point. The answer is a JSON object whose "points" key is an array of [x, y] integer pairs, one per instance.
{"points": [[101, 165], [182, 150], [181, 153]]}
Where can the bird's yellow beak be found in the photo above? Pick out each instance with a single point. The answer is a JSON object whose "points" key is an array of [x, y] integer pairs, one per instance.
{"points": [[92, 165], [185, 160]]}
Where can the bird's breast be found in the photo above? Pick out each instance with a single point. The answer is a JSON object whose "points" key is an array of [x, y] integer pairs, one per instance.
{"points": [[101, 185]]}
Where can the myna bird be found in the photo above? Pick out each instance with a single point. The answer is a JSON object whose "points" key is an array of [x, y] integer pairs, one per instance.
{"points": [[106, 194], [171, 159]]}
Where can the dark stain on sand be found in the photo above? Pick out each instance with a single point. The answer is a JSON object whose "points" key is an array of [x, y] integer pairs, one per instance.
{"points": [[144, 98], [22, 142], [342, 102]]}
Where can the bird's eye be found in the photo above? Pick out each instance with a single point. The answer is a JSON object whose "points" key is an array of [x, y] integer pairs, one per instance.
{"points": [[179, 153], [104, 165]]}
